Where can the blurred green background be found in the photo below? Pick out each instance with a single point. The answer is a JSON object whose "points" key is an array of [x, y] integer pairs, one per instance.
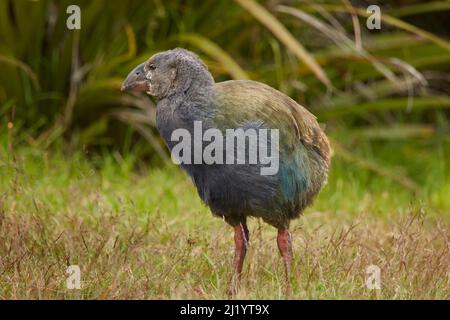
{"points": [[59, 88]]}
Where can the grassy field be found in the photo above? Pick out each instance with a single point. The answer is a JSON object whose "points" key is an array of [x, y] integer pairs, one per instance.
{"points": [[140, 231]]}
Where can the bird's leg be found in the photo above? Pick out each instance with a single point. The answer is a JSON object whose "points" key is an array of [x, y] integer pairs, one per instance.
{"points": [[241, 238], [285, 246]]}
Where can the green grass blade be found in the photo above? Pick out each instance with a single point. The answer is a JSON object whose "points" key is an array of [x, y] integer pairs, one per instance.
{"points": [[280, 31], [213, 50]]}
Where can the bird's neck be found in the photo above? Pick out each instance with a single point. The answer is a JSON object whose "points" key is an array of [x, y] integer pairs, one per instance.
{"points": [[192, 90], [182, 108]]}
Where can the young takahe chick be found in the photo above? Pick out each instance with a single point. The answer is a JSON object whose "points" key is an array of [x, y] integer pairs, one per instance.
{"points": [[186, 92]]}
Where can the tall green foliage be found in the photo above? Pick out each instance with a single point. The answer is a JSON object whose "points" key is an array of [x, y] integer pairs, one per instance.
{"points": [[55, 81]]}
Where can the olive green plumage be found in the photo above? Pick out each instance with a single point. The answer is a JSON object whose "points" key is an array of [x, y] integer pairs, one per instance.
{"points": [[304, 148]]}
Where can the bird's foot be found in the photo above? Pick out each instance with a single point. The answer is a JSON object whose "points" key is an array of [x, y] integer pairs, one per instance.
{"points": [[233, 288], [288, 289]]}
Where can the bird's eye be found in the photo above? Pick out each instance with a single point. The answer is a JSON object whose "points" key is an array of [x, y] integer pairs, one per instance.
{"points": [[152, 67]]}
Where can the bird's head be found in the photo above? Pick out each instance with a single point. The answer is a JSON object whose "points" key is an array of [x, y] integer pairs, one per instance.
{"points": [[167, 73]]}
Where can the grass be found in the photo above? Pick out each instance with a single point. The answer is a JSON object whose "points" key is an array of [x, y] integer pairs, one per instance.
{"points": [[140, 231]]}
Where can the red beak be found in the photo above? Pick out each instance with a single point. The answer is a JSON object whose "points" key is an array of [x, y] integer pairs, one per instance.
{"points": [[135, 81]]}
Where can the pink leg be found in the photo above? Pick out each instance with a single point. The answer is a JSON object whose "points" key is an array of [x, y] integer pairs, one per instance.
{"points": [[241, 237], [285, 246]]}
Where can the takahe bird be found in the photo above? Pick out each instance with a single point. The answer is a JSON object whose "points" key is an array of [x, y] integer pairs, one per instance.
{"points": [[187, 93]]}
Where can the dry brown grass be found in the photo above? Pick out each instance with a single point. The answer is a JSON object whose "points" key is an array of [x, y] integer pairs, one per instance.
{"points": [[122, 257]]}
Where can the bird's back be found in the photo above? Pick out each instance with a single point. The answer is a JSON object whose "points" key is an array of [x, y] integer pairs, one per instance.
{"points": [[241, 101], [303, 146]]}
